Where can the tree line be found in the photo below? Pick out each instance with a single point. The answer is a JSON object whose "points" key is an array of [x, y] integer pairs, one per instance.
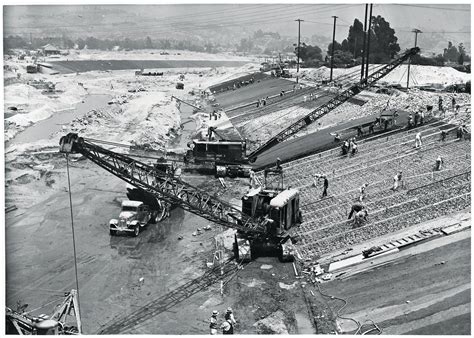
{"points": [[383, 47], [18, 42]]}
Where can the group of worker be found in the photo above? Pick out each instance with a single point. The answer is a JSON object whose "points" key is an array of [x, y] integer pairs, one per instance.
{"points": [[350, 146], [214, 114], [227, 326], [309, 97], [417, 119], [319, 177], [262, 102], [454, 107]]}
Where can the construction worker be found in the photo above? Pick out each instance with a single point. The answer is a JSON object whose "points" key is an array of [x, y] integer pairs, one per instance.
{"points": [[177, 173], [397, 179], [418, 142], [371, 128], [227, 327], [355, 209], [278, 164], [461, 131], [353, 147], [345, 147], [422, 116], [317, 177], [440, 104], [443, 135], [325, 186], [439, 162], [213, 322], [229, 315], [458, 107], [359, 131], [360, 217], [417, 118], [362, 191], [453, 102], [410, 121], [253, 179]]}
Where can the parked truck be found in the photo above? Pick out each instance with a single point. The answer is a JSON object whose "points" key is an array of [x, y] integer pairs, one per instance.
{"points": [[133, 217]]}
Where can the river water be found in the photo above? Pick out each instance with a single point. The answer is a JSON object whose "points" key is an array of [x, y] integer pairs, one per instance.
{"points": [[43, 129], [189, 127]]}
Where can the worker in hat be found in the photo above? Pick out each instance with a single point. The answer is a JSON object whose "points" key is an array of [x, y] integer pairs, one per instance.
{"points": [[229, 315], [213, 322], [278, 164]]}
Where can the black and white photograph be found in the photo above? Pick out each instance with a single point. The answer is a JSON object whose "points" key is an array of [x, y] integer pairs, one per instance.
{"points": [[246, 168]]}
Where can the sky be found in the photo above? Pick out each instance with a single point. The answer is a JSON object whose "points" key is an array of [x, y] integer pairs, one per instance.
{"points": [[449, 19]]}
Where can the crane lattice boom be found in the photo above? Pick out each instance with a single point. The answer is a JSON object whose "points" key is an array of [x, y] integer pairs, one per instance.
{"points": [[163, 186], [332, 104]]}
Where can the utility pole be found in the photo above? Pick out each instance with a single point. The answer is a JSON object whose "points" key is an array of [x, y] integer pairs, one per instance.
{"points": [[355, 47], [416, 31], [363, 45], [332, 49], [298, 51], [368, 42]]}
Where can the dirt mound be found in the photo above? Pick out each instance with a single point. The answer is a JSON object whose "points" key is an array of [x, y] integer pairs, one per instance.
{"points": [[276, 323]]}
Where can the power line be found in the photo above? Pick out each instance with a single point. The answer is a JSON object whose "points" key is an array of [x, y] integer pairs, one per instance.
{"points": [[167, 18], [245, 19], [286, 11], [431, 7]]}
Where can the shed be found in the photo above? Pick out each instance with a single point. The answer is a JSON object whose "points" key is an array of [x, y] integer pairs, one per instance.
{"points": [[50, 50]]}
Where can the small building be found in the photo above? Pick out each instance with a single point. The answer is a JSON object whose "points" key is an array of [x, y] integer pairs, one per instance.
{"points": [[50, 50]]}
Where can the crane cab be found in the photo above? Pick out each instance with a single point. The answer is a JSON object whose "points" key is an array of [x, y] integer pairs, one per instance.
{"points": [[281, 210], [215, 151], [284, 212]]}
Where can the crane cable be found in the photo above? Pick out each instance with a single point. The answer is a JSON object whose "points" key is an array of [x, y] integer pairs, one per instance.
{"points": [[42, 306], [73, 236]]}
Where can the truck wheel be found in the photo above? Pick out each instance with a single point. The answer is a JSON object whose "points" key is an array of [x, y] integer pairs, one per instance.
{"points": [[113, 232], [136, 230]]}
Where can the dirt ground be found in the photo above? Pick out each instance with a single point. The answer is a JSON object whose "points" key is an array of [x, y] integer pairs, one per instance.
{"points": [[109, 268], [123, 277]]}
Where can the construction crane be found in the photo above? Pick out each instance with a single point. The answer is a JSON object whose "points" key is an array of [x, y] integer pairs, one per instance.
{"points": [[23, 323], [332, 104], [263, 225], [187, 103], [229, 157]]}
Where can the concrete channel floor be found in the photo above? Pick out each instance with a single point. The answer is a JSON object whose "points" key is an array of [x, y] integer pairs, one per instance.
{"points": [[424, 289]]}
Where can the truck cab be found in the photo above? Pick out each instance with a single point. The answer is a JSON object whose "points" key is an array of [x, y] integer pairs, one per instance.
{"points": [[132, 218]]}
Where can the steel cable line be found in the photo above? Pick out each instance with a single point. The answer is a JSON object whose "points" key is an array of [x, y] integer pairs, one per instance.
{"points": [[431, 7], [217, 20], [42, 306], [73, 235], [249, 18], [176, 17]]}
